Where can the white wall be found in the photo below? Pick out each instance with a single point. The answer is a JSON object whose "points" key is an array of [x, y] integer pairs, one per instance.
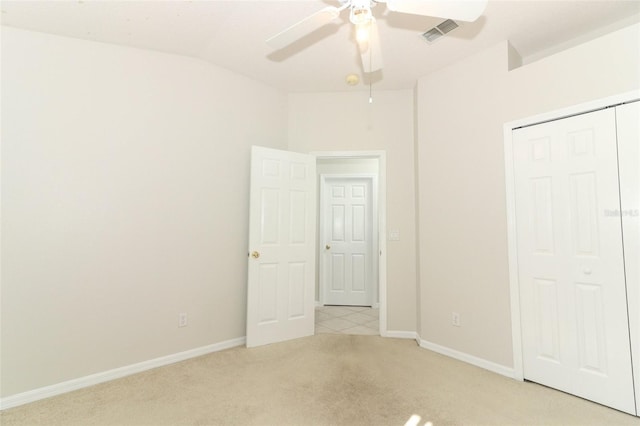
{"points": [[462, 215], [347, 122], [124, 202], [346, 165]]}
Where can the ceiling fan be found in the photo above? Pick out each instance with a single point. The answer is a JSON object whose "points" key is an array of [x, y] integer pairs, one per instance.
{"points": [[366, 28]]}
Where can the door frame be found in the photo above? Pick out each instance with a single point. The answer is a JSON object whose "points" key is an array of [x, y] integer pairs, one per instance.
{"points": [[373, 179], [381, 156], [514, 285]]}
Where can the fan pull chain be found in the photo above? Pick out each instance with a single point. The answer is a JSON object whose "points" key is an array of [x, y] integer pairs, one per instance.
{"points": [[370, 65]]}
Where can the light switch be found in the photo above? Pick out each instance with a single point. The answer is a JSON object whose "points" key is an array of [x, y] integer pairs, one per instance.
{"points": [[394, 235]]}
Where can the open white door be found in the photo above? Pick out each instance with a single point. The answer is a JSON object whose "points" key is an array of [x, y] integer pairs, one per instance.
{"points": [[282, 228]]}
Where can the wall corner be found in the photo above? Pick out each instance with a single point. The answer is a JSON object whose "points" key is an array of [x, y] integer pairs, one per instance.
{"points": [[514, 59]]}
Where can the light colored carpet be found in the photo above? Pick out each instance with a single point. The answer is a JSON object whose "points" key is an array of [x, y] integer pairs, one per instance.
{"points": [[327, 379]]}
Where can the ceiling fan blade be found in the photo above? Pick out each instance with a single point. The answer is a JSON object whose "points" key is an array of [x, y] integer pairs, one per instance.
{"points": [[370, 51], [304, 27], [461, 10]]}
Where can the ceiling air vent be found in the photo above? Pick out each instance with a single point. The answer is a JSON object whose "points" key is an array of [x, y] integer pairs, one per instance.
{"points": [[439, 30]]}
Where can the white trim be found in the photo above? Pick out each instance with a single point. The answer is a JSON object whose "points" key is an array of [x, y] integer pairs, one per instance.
{"points": [[319, 304], [512, 250], [116, 373], [469, 359], [516, 332], [402, 334], [582, 108], [382, 220]]}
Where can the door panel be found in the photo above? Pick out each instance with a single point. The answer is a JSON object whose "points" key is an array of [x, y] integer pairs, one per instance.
{"points": [[297, 272], [268, 285], [543, 215], [281, 275], [571, 271], [583, 214], [590, 327], [359, 223], [547, 333], [347, 241], [337, 272], [628, 121]]}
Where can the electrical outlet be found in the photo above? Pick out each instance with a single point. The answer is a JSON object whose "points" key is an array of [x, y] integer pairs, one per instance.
{"points": [[455, 319], [182, 319]]}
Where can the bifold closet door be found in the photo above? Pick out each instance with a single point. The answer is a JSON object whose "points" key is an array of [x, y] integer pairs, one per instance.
{"points": [[573, 302], [628, 126]]}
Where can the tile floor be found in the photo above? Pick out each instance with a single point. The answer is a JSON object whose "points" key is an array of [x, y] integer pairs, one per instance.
{"points": [[347, 320]]}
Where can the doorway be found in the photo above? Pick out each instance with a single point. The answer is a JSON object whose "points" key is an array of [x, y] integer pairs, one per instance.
{"points": [[351, 281], [348, 240]]}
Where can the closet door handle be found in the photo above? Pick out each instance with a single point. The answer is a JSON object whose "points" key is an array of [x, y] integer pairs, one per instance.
{"points": [[587, 271]]}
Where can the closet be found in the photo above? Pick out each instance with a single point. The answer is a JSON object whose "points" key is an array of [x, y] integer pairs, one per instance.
{"points": [[575, 212]]}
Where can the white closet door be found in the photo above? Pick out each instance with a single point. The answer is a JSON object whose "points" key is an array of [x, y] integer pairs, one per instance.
{"points": [[571, 273], [628, 120]]}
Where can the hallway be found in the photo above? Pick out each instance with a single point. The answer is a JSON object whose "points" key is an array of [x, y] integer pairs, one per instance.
{"points": [[347, 320]]}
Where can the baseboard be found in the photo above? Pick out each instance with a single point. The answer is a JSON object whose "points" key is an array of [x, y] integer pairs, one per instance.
{"points": [[319, 304], [469, 359], [105, 376], [401, 334]]}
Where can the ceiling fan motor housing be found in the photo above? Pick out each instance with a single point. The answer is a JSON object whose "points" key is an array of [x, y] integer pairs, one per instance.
{"points": [[360, 11]]}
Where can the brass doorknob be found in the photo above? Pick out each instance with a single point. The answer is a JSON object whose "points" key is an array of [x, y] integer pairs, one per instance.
{"points": [[255, 254], [328, 247]]}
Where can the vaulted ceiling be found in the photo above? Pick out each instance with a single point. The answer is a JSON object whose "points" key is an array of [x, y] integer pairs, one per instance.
{"points": [[232, 34]]}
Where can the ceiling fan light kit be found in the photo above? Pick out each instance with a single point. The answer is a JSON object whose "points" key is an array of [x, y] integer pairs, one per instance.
{"points": [[362, 32]]}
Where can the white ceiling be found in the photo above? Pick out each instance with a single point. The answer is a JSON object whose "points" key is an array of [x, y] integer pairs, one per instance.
{"points": [[231, 34]]}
